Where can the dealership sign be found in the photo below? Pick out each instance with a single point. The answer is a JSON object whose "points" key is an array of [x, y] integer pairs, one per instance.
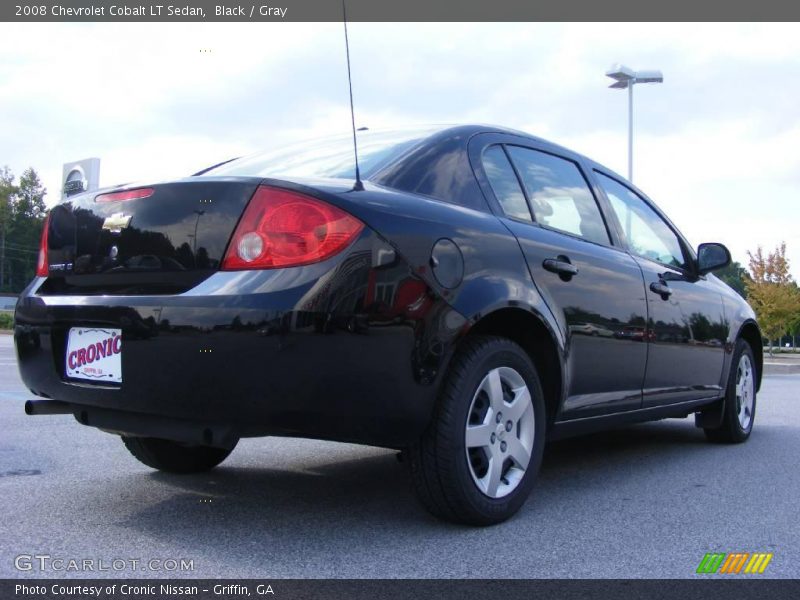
{"points": [[95, 354]]}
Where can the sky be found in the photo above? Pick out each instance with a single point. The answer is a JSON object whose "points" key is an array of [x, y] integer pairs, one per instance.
{"points": [[716, 146]]}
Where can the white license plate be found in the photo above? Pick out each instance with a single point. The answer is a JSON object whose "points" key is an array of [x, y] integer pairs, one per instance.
{"points": [[95, 353]]}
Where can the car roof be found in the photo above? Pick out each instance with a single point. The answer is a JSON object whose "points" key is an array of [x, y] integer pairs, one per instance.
{"points": [[475, 129], [469, 130]]}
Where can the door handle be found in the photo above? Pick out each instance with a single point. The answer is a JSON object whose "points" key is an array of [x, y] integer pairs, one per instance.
{"points": [[560, 265], [662, 289]]}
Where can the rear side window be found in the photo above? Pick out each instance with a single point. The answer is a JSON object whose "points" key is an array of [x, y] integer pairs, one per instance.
{"points": [[559, 195], [646, 233], [505, 184]]}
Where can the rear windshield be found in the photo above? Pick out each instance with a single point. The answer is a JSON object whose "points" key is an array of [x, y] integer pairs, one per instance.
{"points": [[328, 157]]}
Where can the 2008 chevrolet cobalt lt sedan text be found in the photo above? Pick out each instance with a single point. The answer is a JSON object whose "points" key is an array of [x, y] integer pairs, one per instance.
{"points": [[480, 292]]}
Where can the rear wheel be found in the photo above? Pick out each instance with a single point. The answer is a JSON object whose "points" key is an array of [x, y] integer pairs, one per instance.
{"points": [[740, 399], [174, 457], [478, 460]]}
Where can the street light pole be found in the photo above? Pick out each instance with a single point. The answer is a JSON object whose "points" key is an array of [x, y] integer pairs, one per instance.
{"points": [[630, 133], [626, 78]]}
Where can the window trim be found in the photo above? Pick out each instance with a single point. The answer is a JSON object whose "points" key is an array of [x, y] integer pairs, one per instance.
{"points": [[532, 220], [688, 256], [609, 243]]}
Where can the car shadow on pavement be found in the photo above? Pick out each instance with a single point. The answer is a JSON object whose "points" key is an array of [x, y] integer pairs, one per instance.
{"points": [[363, 489], [317, 506], [657, 439], [371, 492], [237, 516]]}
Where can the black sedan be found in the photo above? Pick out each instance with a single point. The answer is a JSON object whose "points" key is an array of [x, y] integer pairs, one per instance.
{"points": [[477, 292]]}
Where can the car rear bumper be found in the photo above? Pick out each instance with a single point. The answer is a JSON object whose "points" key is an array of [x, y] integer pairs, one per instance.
{"points": [[350, 349]]}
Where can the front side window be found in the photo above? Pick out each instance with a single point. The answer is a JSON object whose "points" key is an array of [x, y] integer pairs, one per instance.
{"points": [[559, 195], [645, 231]]}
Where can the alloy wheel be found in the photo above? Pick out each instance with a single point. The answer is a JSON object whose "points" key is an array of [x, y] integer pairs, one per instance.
{"points": [[499, 432], [745, 391]]}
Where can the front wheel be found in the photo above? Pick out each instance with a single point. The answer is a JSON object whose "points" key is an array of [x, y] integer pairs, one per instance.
{"points": [[174, 457], [479, 458], [740, 399]]}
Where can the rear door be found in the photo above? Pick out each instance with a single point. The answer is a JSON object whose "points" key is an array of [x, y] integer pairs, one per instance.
{"points": [[686, 326], [594, 290]]}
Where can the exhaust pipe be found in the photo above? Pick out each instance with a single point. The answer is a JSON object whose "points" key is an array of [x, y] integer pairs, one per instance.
{"points": [[47, 407]]}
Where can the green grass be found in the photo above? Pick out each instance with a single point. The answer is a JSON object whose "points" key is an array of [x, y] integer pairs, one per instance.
{"points": [[6, 320]]}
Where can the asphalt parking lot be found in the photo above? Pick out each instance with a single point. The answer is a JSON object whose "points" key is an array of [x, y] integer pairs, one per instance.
{"points": [[644, 501]]}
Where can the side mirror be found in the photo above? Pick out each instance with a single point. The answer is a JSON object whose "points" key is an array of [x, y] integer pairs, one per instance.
{"points": [[711, 257]]}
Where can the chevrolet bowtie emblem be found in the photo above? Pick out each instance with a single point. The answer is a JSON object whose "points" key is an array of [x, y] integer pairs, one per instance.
{"points": [[116, 222]]}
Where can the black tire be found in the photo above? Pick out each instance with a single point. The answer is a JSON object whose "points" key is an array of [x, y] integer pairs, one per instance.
{"points": [[173, 457], [441, 471], [731, 430]]}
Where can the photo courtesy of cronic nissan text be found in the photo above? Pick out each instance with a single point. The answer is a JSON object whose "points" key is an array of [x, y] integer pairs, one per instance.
{"points": [[385, 300]]}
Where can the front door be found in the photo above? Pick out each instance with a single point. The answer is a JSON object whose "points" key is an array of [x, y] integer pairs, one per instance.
{"points": [[686, 325]]}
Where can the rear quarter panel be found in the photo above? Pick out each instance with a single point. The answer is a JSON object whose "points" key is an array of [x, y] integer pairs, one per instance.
{"points": [[495, 274]]}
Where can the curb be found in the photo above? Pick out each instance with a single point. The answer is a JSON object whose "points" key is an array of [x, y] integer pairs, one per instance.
{"points": [[776, 368]]}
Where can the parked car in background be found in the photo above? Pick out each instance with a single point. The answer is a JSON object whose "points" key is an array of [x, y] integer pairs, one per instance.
{"points": [[590, 329], [485, 291]]}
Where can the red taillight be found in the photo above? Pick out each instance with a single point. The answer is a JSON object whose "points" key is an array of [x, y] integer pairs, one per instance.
{"points": [[280, 228], [42, 266], [126, 195]]}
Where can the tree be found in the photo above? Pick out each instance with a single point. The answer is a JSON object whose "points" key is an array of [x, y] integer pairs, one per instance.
{"points": [[30, 196], [22, 212], [772, 292], [7, 193], [794, 328]]}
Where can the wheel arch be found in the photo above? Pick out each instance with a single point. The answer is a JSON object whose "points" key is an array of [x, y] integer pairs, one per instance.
{"points": [[532, 332], [750, 333]]}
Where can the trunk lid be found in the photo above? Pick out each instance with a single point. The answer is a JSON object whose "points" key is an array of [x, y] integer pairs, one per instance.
{"points": [[165, 243]]}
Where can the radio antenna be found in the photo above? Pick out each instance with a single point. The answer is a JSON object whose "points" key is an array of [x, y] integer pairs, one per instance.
{"points": [[358, 185]]}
